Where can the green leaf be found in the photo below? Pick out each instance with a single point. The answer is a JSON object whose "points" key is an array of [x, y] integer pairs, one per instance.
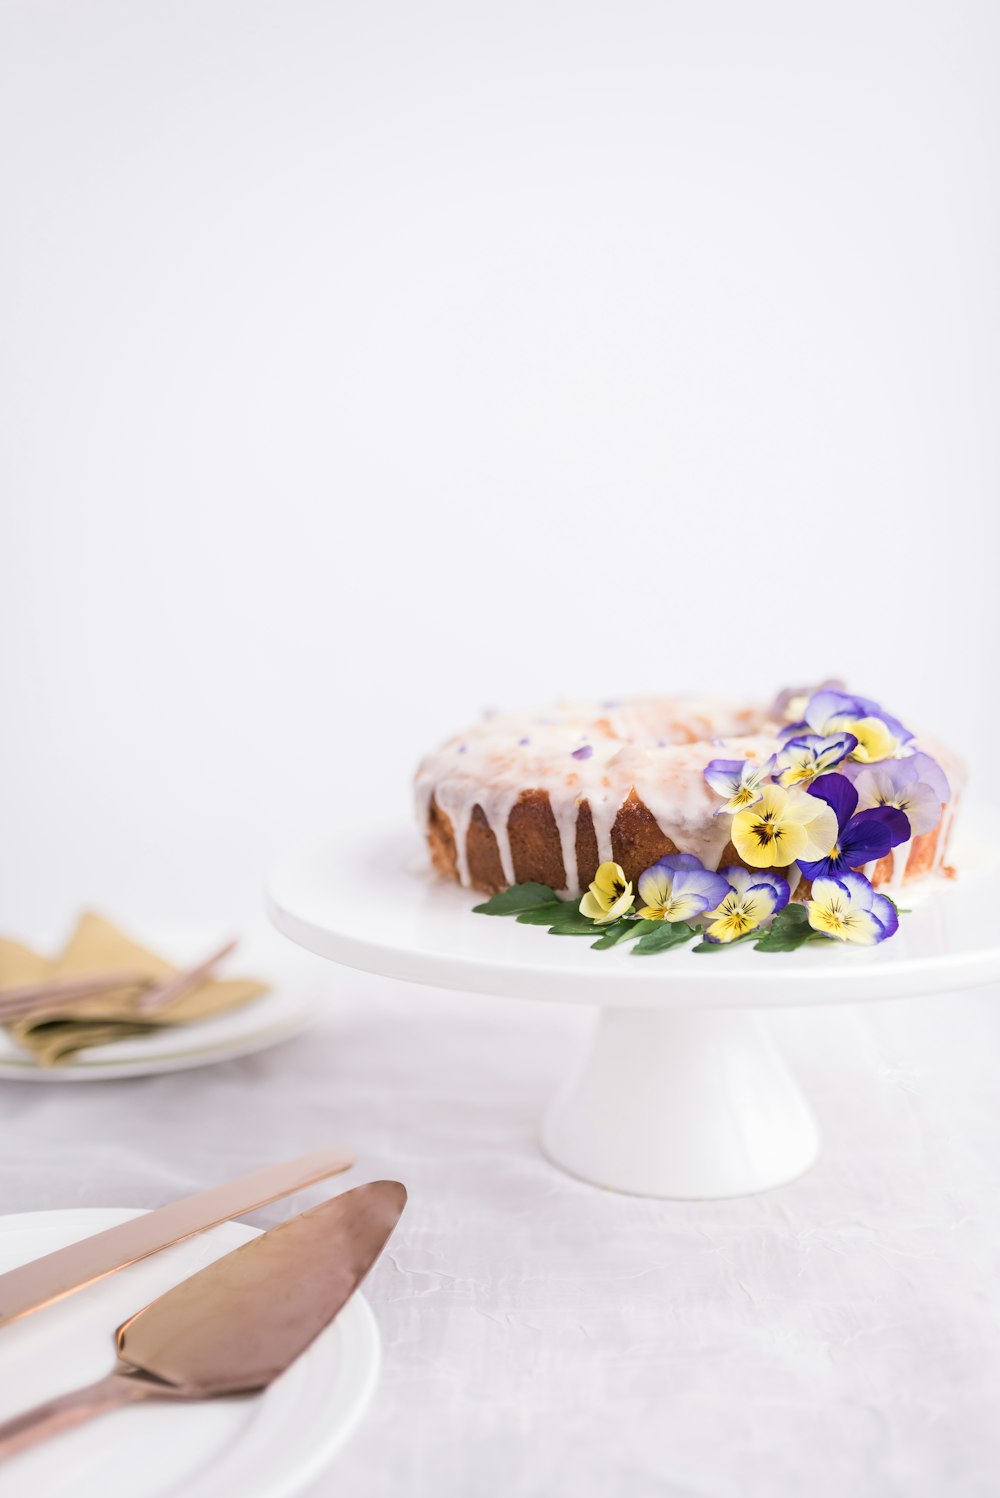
{"points": [[790, 929], [544, 915], [663, 936], [567, 921], [620, 931], [722, 946], [518, 898]]}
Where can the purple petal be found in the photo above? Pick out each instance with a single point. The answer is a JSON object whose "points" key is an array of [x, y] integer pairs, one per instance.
{"points": [[929, 771], [897, 822], [821, 868], [723, 775], [676, 861], [825, 894], [782, 890], [712, 887], [739, 878], [869, 708], [838, 793], [822, 706], [584, 752], [859, 889], [788, 695], [922, 807], [885, 913], [865, 838]]}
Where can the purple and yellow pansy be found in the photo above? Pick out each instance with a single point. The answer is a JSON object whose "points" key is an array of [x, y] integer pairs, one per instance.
{"points": [[862, 836], [910, 785], [848, 909], [806, 758], [739, 781], [678, 888], [784, 827], [752, 898]]}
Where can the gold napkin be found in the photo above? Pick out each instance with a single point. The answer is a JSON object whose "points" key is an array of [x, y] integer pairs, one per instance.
{"points": [[97, 946]]}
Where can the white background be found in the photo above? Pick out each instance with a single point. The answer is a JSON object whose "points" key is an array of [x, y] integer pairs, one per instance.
{"points": [[363, 365], [366, 365]]}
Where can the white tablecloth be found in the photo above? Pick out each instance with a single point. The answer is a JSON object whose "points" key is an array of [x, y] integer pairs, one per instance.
{"points": [[841, 1335]]}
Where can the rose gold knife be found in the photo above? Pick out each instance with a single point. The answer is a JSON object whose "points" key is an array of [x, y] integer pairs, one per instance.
{"points": [[69, 1269], [234, 1327]]}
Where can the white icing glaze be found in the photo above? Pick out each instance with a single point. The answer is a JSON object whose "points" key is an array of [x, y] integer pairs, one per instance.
{"points": [[900, 859], [656, 747]]}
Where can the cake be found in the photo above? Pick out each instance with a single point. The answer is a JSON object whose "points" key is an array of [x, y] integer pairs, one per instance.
{"points": [[551, 796]]}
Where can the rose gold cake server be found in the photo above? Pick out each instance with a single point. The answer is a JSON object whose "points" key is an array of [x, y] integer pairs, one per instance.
{"points": [[234, 1327], [69, 1269]]}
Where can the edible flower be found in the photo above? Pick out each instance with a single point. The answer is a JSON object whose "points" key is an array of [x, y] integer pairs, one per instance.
{"points": [[739, 780], [679, 887], [873, 740], [790, 704], [879, 734], [898, 783], [610, 895], [861, 838], [753, 897], [784, 826], [849, 909], [805, 758]]}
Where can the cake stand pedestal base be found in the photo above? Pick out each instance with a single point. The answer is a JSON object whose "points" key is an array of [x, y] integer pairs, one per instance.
{"points": [[685, 1103]]}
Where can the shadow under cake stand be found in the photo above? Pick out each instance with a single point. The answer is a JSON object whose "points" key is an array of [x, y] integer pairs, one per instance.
{"points": [[682, 1093]]}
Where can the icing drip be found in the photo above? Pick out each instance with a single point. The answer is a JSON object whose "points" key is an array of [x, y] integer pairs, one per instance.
{"points": [[900, 859], [566, 813], [944, 834]]}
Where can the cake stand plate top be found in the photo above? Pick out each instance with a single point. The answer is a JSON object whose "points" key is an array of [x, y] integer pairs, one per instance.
{"points": [[364, 898]]}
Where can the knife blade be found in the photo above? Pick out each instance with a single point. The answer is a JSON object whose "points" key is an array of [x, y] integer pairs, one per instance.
{"points": [[233, 1327], [31, 1286]]}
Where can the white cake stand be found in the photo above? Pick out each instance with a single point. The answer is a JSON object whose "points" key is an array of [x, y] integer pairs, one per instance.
{"points": [[682, 1093]]}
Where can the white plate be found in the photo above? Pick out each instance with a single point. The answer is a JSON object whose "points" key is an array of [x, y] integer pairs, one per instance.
{"points": [[264, 1445], [286, 1011], [331, 897]]}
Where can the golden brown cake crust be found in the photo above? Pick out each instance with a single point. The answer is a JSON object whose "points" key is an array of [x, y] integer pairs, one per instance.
{"points": [[636, 841]]}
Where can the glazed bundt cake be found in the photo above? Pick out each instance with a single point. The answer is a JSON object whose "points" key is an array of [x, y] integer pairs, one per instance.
{"points": [[549, 796]]}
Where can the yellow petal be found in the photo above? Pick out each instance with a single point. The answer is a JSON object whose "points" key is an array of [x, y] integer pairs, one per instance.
{"points": [[820, 833], [610, 879], [591, 907], [875, 742], [621, 905], [654, 886], [767, 835], [725, 929]]}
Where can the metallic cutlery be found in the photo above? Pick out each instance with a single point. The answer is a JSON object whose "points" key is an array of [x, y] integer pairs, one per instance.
{"points": [[233, 1327], [60, 993], [68, 1269]]}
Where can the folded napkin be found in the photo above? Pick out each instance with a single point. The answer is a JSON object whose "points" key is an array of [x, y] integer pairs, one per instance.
{"points": [[97, 946]]}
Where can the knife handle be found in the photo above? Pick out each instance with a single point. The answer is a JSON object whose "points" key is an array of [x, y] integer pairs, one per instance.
{"points": [[69, 1410]]}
